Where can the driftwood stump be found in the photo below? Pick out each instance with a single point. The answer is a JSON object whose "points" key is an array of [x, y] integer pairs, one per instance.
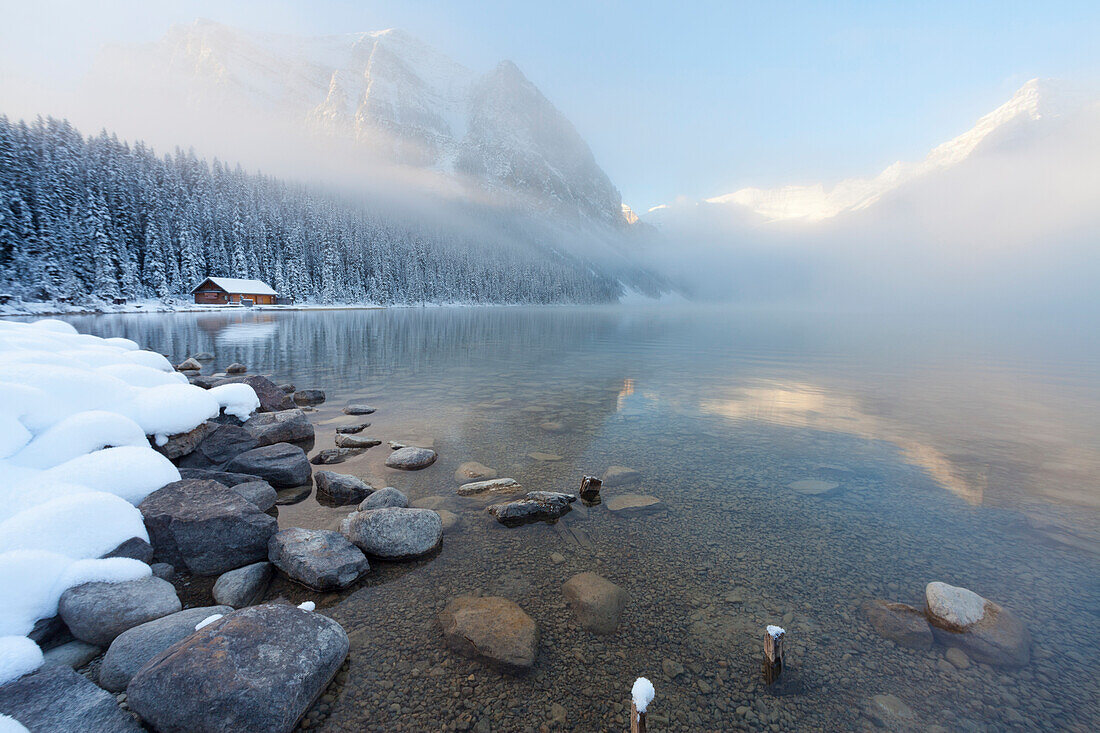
{"points": [[773, 653], [637, 720], [590, 490]]}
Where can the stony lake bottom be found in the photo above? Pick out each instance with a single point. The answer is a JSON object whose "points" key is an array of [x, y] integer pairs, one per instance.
{"points": [[967, 453]]}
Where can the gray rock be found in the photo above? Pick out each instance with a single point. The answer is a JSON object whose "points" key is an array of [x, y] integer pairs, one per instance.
{"points": [[491, 487], [243, 586], [280, 464], [356, 442], [288, 388], [317, 558], [474, 471], [260, 493], [55, 699], [182, 444], [203, 356], [890, 712], [978, 626], [536, 506], [133, 648], [596, 602], [188, 365], [309, 397], [286, 426], [163, 570], [222, 445], [620, 476], [236, 368], [354, 409], [340, 489], [272, 399], [74, 654], [394, 533], [902, 624], [329, 456], [98, 612], [134, 548], [491, 629], [386, 497], [257, 669], [353, 428], [206, 527], [225, 478], [411, 458]]}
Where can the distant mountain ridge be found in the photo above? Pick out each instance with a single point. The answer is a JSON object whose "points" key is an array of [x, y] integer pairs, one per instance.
{"points": [[1036, 101], [390, 95]]}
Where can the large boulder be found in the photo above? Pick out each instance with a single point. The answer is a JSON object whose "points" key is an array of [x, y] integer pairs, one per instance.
{"points": [[980, 627], [257, 669], [901, 624], [383, 498], [243, 586], [494, 630], [98, 612], [280, 464], [394, 533], [536, 506], [317, 558], [287, 426], [411, 458], [272, 399], [55, 699], [222, 445], [134, 647], [181, 444], [596, 602], [340, 489], [206, 527]]}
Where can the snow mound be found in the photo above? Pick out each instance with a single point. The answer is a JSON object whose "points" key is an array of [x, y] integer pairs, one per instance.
{"points": [[77, 435], [102, 522], [239, 400], [170, 409], [129, 471], [18, 656], [52, 324], [308, 606], [13, 434], [9, 724]]}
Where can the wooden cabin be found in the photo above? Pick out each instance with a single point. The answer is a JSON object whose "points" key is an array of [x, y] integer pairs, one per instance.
{"points": [[225, 290]]}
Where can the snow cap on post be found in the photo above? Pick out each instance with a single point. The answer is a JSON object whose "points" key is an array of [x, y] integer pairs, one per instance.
{"points": [[642, 693]]}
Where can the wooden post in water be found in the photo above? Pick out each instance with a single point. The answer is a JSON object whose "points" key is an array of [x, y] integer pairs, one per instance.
{"points": [[641, 695], [590, 490], [637, 720], [773, 653]]}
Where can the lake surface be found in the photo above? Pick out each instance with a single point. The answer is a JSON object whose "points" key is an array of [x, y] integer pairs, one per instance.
{"points": [[962, 452]]}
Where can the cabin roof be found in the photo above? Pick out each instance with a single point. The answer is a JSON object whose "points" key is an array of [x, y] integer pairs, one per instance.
{"points": [[238, 285]]}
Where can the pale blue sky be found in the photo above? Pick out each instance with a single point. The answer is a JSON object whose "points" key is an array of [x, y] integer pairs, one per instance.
{"points": [[689, 98]]}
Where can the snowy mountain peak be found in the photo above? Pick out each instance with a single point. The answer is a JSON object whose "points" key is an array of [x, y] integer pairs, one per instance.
{"points": [[387, 93], [1038, 99]]}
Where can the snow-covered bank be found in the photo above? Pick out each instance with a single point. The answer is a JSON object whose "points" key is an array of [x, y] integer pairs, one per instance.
{"points": [[76, 416]]}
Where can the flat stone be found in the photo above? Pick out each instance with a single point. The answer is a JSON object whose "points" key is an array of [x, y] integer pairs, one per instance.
{"points": [[535, 506], [473, 471], [491, 629], [430, 502], [386, 497], [244, 586], [985, 631], [544, 457], [356, 442], [98, 612], [257, 669], [552, 426], [393, 533], [890, 712], [225, 478], [133, 648], [815, 487], [260, 493], [633, 504], [491, 487], [354, 409], [285, 426], [74, 654], [557, 558], [620, 476], [330, 456], [282, 464], [411, 458], [55, 699], [902, 624], [206, 527], [340, 489], [203, 356], [317, 558], [236, 368], [957, 657], [596, 602], [309, 397], [293, 495], [352, 429], [450, 519]]}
